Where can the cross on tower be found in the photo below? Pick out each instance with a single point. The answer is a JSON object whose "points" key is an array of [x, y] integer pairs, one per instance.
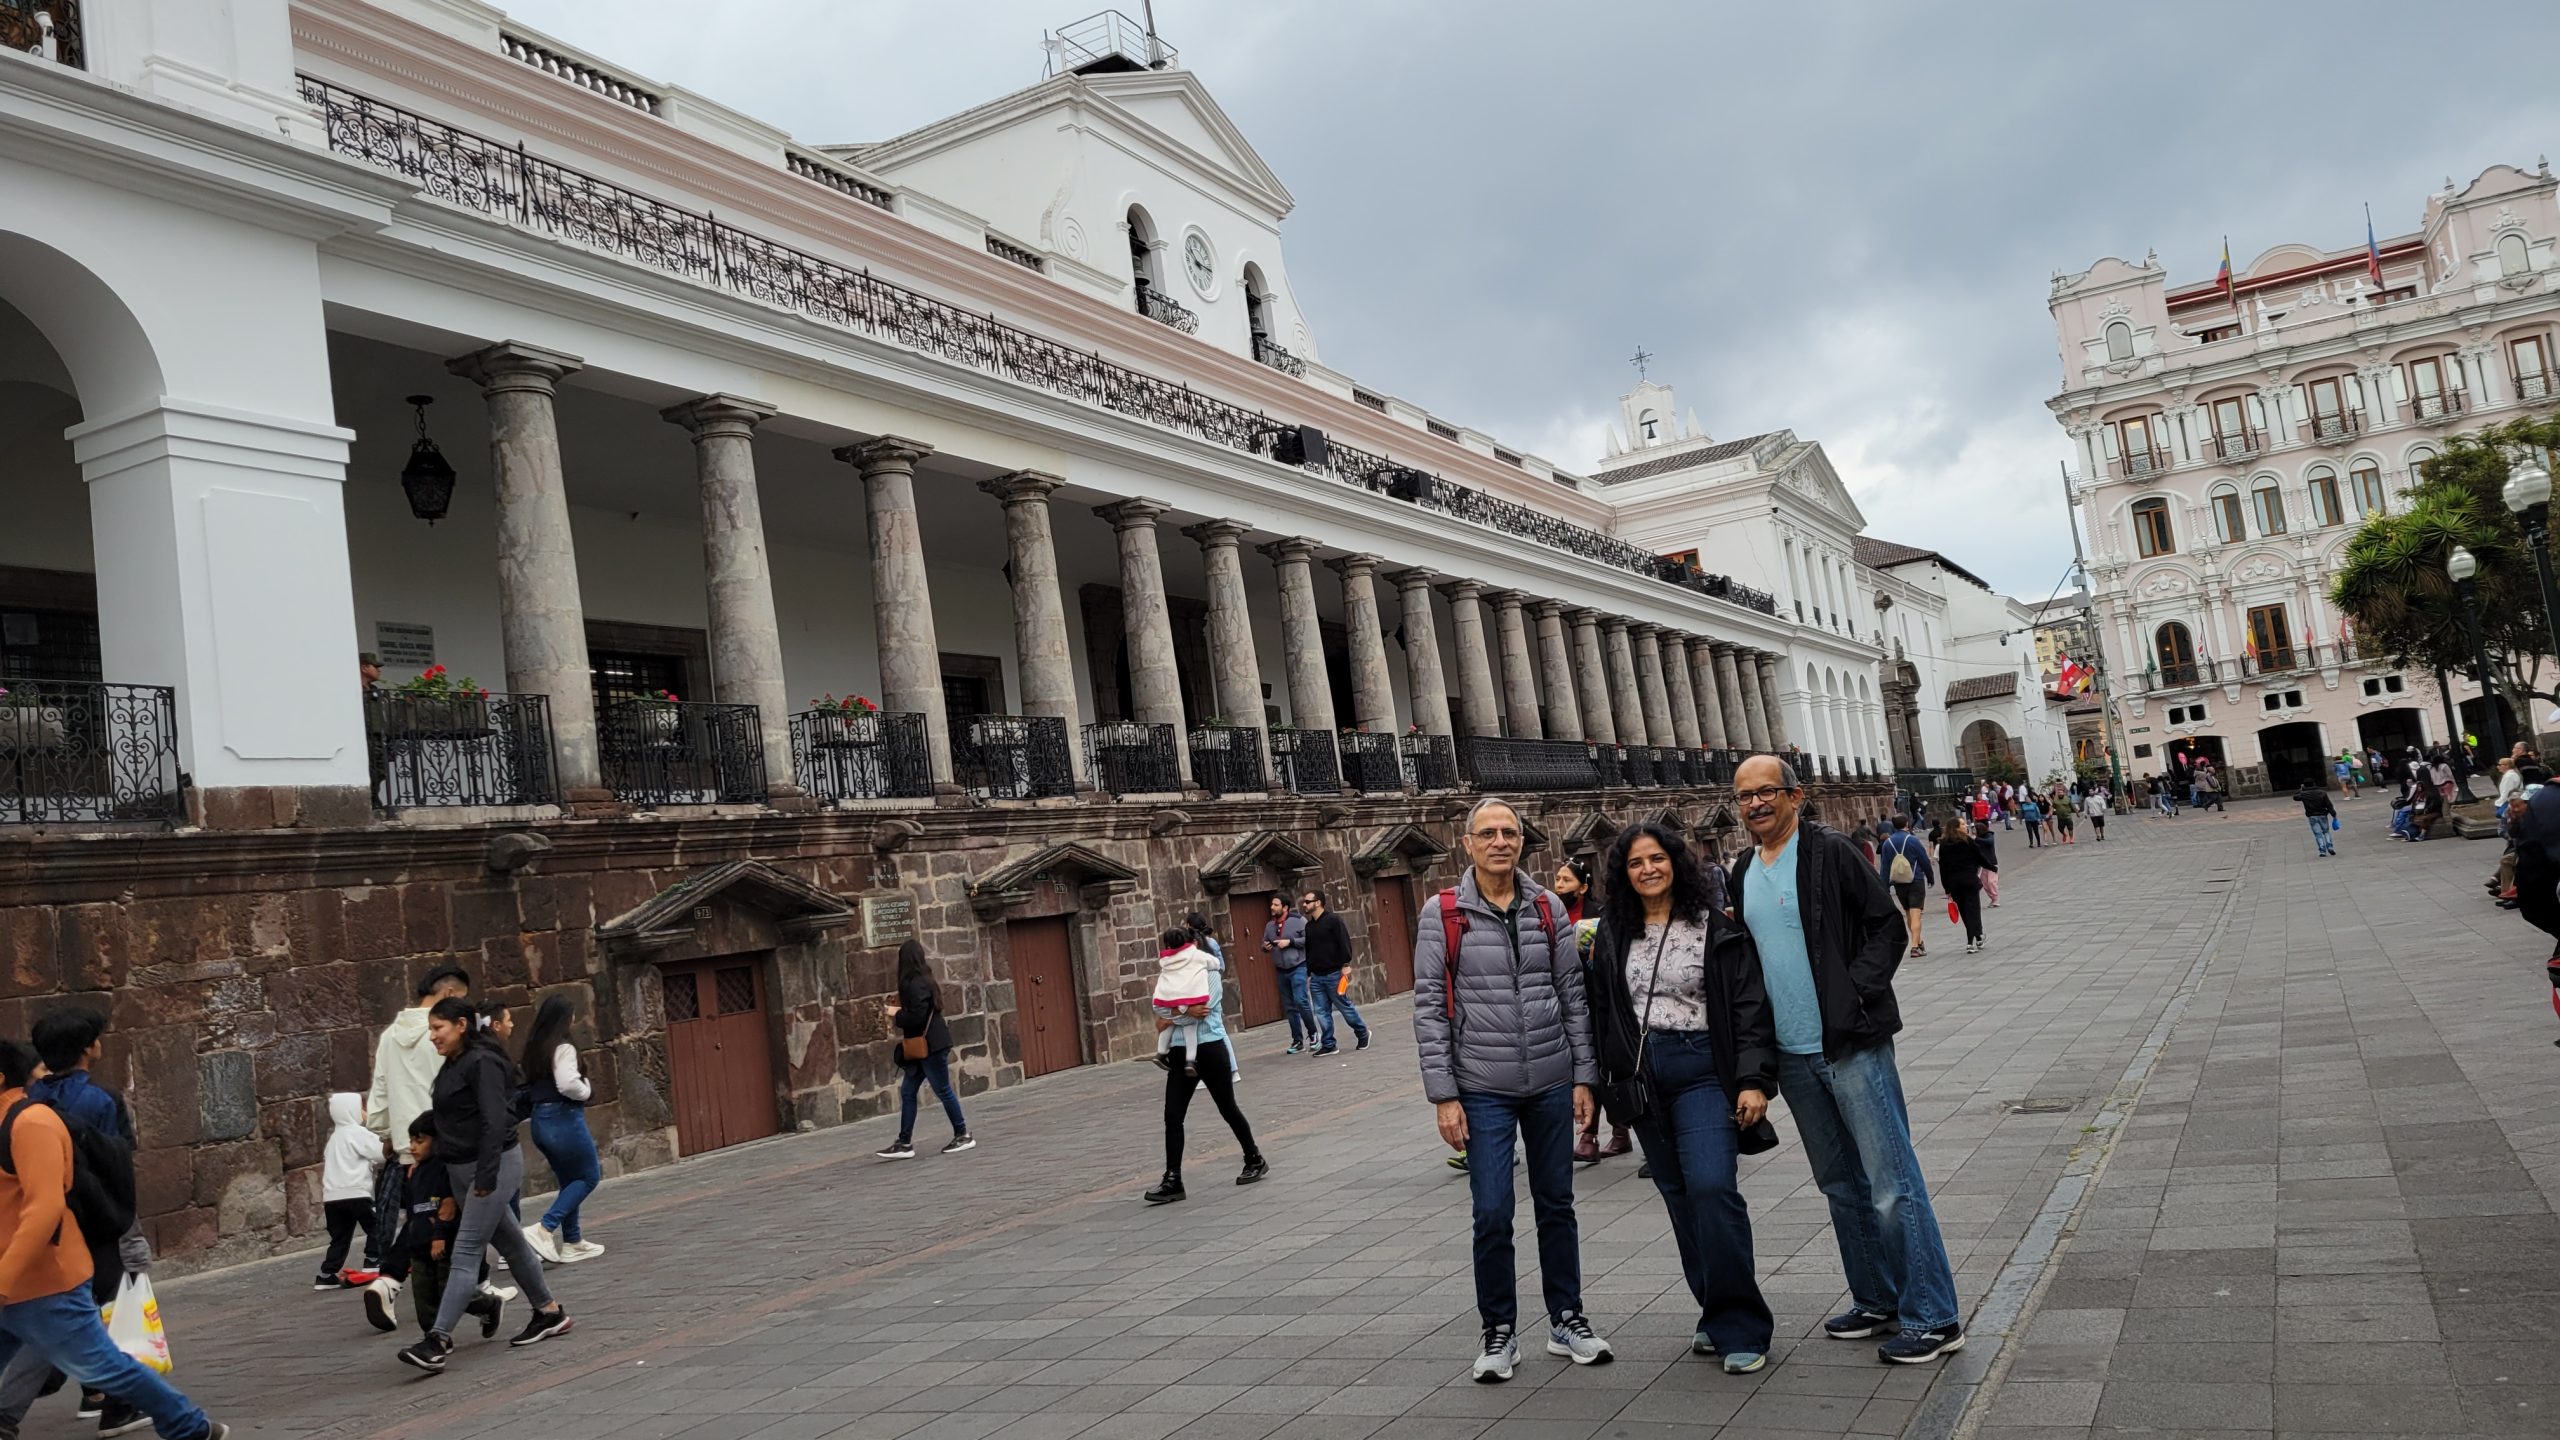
{"points": [[1639, 360]]}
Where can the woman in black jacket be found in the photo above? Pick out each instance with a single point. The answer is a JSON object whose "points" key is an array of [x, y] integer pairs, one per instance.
{"points": [[917, 1012], [1960, 866], [1685, 1039], [474, 1107]]}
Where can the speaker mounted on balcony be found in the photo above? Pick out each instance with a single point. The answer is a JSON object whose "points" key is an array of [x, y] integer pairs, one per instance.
{"points": [[1300, 445]]}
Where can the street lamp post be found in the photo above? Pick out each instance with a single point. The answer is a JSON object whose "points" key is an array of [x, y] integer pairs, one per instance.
{"points": [[2464, 567], [2528, 494]]}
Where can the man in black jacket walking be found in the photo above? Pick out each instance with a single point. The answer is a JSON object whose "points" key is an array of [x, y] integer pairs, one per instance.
{"points": [[1328, 970], [1829, 939]]}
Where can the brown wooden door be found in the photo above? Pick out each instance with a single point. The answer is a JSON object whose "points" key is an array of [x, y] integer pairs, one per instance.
{"points": [[1044, 995], [1257, 982], [1391, 928], [719, 1053]]}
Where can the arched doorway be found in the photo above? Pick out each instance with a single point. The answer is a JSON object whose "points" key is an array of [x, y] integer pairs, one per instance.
{"points": [[2173, 654], [2393, 731], [2292, 755], [1986, 750], [2475, 719]]}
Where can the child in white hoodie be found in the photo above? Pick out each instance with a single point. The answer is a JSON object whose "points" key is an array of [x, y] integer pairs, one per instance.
{"points": [[1183, 977], [348, 1164]]}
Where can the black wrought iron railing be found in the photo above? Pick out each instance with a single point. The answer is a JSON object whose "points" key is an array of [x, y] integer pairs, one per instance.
{"points": [[1227, 759], [1165, 310], [1370, 764], [83, 750], [1499, 764], [429, 750], [1429, 762], [1716, 767], [46, 28], [1132, 757], [860, 755], [1270, 352], [1611, 762], [1637, 765], [1011, 757], [1304, 762], [510, 183], [681, 752]]}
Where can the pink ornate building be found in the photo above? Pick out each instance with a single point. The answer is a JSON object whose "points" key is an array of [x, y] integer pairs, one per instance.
{"points": [[2227, 442]]}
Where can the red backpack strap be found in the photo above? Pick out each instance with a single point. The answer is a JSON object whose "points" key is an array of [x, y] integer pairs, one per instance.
{"points": [[1452, 925]]}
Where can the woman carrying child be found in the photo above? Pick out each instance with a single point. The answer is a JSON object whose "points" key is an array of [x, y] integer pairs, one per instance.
{"points": [[1210, 1064]]}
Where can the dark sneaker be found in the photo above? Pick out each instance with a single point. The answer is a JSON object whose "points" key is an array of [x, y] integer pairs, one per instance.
{"points": [[429, 1354], [896, 1150], [121, 1419], [492, 1311], [1458, 1162], [1919, 1347], [1572, 1337], [959, 1143], [1254, 1169], [1501, 1354], [1330, 1050], [92, 1402], [1364, 1041], [1857, 1323], [216, 1430], [1167, 1190], [1297, 1047], [543, 1325], [329, 1282], [1644, 1170]]}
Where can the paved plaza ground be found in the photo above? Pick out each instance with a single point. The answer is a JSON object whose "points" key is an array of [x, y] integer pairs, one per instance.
{"points": [[2226, 1140]]}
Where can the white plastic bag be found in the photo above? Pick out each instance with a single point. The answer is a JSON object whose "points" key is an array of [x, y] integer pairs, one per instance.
{"points": [[133, 1323]]}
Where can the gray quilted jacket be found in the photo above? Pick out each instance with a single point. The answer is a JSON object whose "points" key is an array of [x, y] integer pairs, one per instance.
{"points": [[1520, 1024]]}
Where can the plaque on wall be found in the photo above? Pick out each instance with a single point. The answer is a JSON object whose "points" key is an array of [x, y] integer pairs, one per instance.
{"points": [[402, 646], [887, 920]]}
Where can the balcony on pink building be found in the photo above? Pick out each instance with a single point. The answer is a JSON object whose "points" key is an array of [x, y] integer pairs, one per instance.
{"points": [[2136, 464], [2240, 444], [2337, 427], [2437, 407]]}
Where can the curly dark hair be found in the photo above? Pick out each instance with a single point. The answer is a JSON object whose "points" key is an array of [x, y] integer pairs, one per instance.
{"points": [[1623, 908]]}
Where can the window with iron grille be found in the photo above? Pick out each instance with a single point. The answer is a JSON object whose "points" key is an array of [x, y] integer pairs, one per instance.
{"points": [[734, 989], [682, 990]]}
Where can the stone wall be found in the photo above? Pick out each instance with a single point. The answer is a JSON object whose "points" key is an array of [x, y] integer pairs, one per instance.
{"points": [[246, 974]]}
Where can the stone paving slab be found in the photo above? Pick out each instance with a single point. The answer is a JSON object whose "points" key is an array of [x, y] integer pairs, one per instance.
{"points": [[2326, 1206]]}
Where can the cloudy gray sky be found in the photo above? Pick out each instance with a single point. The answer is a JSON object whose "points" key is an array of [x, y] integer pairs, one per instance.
{"points": [[1840, 218]]}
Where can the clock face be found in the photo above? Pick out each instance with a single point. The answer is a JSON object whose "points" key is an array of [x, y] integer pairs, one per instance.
{"points": [[1195, 254]]}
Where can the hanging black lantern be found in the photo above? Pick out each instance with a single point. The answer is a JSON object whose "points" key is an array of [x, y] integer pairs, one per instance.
{"points": [[428, 477]]}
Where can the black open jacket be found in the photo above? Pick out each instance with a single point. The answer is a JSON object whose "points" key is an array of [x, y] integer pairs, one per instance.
{"points": [[1853, 934], [1738, 1016]]}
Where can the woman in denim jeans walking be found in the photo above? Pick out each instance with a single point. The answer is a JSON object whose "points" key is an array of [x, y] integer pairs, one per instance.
{"points": [[917, 1014], [560, 1091]]}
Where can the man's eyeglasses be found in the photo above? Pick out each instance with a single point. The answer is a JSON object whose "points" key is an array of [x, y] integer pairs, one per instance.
{"points": [[1765, 792], [1499, 832]]}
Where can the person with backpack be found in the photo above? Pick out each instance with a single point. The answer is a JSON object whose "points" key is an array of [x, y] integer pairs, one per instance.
{"points": [[1503, 1031], [1904, 863], [48, 1299]]}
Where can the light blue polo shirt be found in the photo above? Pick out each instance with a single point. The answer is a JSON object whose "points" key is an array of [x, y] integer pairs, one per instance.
{"points": [[1777, 928]]}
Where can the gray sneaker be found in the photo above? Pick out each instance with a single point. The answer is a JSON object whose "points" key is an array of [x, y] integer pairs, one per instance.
{"points": [[1501, 1353], [1572, 1335]]}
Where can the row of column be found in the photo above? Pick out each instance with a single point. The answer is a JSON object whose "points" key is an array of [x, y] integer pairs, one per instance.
{"points": [[1617, 682]]}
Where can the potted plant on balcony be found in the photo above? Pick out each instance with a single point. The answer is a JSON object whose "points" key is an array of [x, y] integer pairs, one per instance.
{"points": [[657, 718], [443, 708], [1212, 734], [850, 721], [27, 723]]}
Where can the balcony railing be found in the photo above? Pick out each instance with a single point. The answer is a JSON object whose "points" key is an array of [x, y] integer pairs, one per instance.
{"points": [[1227, 759], [1269, 352], [449, 751], [2534, 385], [1164, 310], [79, 750], [1370, 764], [2248, 441], [1430, 762], [2274, 660], [49, 29], [667, 752], [1011, 757], [619, 89], [855, 755], [1305, 762], [1132, 757], [2437, 407], [1498, 765], [2337, 427], [2135, 464]]}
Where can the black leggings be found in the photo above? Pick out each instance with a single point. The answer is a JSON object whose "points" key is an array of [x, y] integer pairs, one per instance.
{"points": [[344, 1217], [1218, 1073], [1968, 905]]}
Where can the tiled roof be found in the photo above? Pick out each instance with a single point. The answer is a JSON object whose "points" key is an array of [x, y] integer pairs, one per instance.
{"points": [[1885, 554], [1983, 687], [1685, 460]]}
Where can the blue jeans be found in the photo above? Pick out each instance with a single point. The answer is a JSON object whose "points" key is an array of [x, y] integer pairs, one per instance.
{"points": [[1545, 1127], [66, 1331], [2320, 833], [1857, 1134], [1294, 1002], [560, 1133], [1324, 1000], [1690, 1140], [935, 1067]]}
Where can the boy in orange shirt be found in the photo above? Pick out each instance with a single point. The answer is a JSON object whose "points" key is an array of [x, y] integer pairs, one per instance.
{"points": [[44, 1265]]}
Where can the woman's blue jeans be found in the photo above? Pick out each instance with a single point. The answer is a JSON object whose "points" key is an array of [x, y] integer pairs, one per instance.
{"points": [[1691, 1140], [560, 1133], [935, 1067]]}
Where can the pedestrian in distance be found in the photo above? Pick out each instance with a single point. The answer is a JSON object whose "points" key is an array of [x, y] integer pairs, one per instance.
{"points": [[924, 1054], [2098, 818], [1284, 939], [1212, 1065], [350, 1161], [1572, 885], [1960, 870], [1986, 842], [1681, 1023], [2321, 813], [2344, 767], [48, 1303], [560, 1090], [1329, 970], [2065, 819], [1904, 864], [2032, 814], [1829, 941], [1503, 1032], [476, 1143]]}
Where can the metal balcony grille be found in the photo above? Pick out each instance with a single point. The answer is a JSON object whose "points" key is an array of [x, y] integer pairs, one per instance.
{"points": [[438, 751], [82, 750], [1011, 757], [853, 755], [1130, 757]]}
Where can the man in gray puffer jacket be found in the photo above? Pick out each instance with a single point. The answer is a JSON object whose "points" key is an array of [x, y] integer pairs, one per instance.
{"points": [[1505, 1038]]}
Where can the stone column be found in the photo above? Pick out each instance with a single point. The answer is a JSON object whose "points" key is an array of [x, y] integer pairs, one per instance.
{"points": [[1711, 711], [1519, 669], [1752, 723], [1478, 705], [541, 625], [1770, 693], [1422, 652], [1651, 689], [1039, 606], [1623, 699], [1238, 671], [1155, 687], [1373, 701], [1302, 636], [746, 640], [901, 602], [1672, 659], [1591, 678], [1555, 672]]}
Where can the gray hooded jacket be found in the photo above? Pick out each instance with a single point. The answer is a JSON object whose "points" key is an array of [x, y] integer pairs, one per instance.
{"points": [[1521, 1025]]}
